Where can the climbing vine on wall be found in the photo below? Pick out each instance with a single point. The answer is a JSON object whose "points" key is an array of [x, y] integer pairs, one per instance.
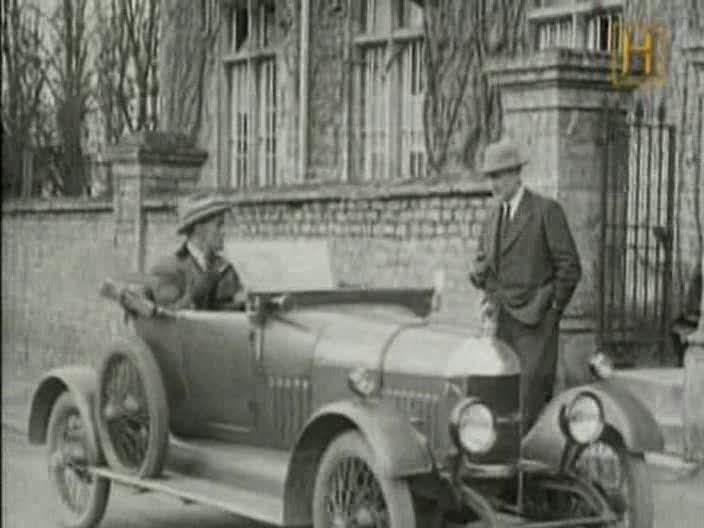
{"points": [[188, 38], [462, 111]]}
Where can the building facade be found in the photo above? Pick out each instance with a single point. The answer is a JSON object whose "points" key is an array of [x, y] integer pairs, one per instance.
{"points": [[325, 120]]}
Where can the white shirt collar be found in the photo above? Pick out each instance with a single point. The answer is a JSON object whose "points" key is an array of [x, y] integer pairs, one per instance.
{"points": [[197, 255], [516, 200]]}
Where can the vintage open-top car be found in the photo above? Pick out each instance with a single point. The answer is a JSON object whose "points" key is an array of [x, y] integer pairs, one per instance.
{"points": [[335, 407]]}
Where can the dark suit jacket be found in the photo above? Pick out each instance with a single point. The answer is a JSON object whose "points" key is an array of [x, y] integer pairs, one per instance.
{"points": [[178, 282], [536, 266]]}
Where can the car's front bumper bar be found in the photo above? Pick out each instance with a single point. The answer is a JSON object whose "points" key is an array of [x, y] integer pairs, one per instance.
{"points": [[493, 517]]}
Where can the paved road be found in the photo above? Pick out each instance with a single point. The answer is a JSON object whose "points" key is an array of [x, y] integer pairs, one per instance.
{"points": [[26, 500], [27, 503]]}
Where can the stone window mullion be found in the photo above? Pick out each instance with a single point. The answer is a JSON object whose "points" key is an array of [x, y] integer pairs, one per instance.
{"points": [[390, 77]]}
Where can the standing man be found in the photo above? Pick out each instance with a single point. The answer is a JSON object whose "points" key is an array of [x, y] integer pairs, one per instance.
{"points": [[528, 266], [197, 276]]}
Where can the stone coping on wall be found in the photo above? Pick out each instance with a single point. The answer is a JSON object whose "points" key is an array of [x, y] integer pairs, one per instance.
{"points": [[56, 205], [312, 192], [350, 191], [319, 192]]}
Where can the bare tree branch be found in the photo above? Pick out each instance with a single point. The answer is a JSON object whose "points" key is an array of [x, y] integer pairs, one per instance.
{"points": [[24, 93], [460, 111]]}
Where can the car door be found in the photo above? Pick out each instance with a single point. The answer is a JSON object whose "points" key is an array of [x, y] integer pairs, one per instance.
{"points": [[217, 352]]}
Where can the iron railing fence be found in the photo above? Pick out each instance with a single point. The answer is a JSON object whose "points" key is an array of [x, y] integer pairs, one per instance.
{"points": [[636, 235]]}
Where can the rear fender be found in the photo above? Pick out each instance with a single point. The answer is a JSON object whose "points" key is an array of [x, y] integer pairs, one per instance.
{"points": [[82, 383], [624, 415], [399, 448]]}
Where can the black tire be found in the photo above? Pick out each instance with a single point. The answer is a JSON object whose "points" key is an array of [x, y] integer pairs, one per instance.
{"points": [[81, 497], [627, 485], [132, 410], [350, 452]]}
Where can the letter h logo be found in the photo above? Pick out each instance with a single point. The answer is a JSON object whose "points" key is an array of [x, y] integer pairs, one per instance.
{"points": [[637, 61]]}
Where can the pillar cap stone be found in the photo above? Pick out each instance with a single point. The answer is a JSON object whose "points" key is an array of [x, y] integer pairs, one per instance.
{"points": [[559, 66], [167, 148]]}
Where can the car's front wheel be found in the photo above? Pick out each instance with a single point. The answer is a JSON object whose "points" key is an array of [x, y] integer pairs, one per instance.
{"points": [[623, 477], [350, 491], [132, 410], [81, 496]]}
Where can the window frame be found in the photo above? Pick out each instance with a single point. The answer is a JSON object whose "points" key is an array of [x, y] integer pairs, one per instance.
{"points": [[253, 55], [581, 15], [396, 40]]}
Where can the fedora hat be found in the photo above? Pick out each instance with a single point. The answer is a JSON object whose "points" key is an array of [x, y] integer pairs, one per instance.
{"points": [[501, 155], [200, 207]]}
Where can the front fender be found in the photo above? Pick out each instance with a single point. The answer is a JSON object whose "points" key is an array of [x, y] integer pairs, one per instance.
{"points": [[399, 448], [81, 382], [623, 412]]}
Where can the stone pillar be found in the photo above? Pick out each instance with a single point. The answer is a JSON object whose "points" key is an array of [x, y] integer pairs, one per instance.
{"points": [[553, 106], [147, 165], [693, 397]]}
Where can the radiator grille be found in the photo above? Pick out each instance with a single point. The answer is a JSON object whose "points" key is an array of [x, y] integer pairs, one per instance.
{"points": [[502, 395]]}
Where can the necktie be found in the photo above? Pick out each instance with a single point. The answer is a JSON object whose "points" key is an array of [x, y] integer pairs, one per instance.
{"points": [[506, 220]]}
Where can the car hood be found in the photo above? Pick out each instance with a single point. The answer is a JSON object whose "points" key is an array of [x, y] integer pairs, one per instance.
{"points": [[390, 339]]}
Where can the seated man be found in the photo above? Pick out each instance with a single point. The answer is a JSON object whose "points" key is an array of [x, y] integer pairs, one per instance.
{"points": [[197, 276]]}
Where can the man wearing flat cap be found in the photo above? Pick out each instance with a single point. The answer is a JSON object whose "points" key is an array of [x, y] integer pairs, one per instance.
{"points": [[197, 276], [528, 266]]}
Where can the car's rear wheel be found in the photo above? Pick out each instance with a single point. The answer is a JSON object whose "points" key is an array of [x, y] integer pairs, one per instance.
{"points": [[133, 413], [623, 477], [81, 496], [350, 491]]}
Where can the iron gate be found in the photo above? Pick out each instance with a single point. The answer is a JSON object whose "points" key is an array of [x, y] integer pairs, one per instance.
{"points": [[636, 235]]}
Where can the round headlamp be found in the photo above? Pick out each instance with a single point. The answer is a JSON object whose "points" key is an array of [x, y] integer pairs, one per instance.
{"points": [[472, 426], [585, 418]]}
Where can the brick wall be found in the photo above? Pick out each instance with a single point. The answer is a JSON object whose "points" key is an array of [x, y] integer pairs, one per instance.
{"points": [[54, 257], [392, 241], [376, 239]]}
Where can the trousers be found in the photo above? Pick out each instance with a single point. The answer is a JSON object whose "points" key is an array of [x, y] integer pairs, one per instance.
{"points": [[536, 347]]}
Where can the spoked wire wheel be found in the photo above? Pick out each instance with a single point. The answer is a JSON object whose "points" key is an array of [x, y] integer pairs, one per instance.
{"points": [[362, 504], [82, 497], [623, 478], [132, 411], [350, 494]]}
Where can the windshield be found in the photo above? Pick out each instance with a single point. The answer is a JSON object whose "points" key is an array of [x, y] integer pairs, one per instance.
{"points": [[281, 265]]}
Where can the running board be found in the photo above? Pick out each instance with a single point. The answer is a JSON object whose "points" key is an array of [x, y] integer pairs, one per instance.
{"points": [[234, 500], [262, 470]]}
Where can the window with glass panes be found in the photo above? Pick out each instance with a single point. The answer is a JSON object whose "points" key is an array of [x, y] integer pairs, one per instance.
{"points": [[604, 30], [579, 25], [250, 62], [389, 90]]}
